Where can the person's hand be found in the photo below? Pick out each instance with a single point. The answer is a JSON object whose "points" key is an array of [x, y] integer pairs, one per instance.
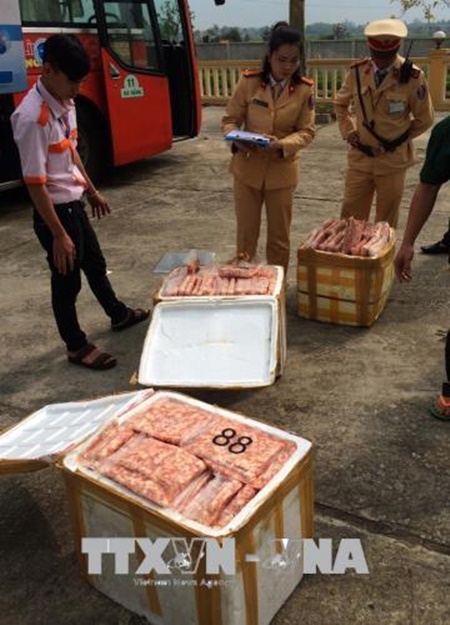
{"points": [[274, 144], [402, 262], [99, 205], [353, 138], [245, 146], [64, 253]]}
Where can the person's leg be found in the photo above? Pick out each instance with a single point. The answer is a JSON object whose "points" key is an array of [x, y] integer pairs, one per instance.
{"points": [[358, 194], [64, 288], [441, 407], [248, 204], [279, 216], [389, 193], [93, 264]]}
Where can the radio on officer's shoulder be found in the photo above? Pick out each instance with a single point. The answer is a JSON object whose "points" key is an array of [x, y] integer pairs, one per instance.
{"points": [[406, 69]]}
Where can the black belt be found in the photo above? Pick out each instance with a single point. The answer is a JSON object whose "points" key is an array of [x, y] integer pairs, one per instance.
{"points": [[71, 204], [388, 146], [365, 149]]}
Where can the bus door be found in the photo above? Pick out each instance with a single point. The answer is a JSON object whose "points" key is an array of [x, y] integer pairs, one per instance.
{"points": [[137, 89], [174, 23]]}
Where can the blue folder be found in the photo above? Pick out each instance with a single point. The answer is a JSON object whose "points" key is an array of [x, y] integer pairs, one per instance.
{"points": [[251, 137]]}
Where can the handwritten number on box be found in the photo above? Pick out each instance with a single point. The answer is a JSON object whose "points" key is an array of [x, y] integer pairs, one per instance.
{"points": [[227, 438]]}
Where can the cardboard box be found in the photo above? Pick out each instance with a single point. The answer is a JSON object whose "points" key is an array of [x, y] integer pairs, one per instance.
{"points": [[222, 341], [342, 289], [262, 579]]}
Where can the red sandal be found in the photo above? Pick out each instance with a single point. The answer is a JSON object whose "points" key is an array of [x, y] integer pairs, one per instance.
{"points": [[440, 409]]}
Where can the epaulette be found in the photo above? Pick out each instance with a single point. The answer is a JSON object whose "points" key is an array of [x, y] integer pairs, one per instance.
{"points": [[306, 80], [248, 73], [360, 62], [44, 114]]}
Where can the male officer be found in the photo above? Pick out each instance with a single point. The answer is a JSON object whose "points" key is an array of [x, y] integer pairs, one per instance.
{"points": [[392, 106]]}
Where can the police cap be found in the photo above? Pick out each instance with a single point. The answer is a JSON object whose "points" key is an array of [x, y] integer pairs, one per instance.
{"points": [[385, 35]]}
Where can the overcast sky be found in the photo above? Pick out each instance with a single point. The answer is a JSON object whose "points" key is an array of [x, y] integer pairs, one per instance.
{"points": [[256, 13]]}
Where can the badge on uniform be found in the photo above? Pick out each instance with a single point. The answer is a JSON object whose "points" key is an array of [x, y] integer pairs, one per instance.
{"points": [[397, 107], [260, 102], [421, 92]]}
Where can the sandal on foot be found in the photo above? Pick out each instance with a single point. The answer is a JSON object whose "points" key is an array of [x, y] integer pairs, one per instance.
{"points": [[134, 316], [102, 362], [440, 409]]}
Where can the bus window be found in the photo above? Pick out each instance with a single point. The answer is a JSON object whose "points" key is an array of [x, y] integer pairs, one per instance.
{"points": [[131, 34], [169, 20], [38, 11]]}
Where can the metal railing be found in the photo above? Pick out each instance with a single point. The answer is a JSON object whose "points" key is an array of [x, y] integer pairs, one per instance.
{"points": [[218, 79]]}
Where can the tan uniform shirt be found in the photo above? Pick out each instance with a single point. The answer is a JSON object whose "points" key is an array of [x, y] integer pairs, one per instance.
{"points": [[289, 118], [392, 107]]}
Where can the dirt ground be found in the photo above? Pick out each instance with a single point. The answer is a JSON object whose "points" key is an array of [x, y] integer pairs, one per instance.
{"points": [[382, 465]]}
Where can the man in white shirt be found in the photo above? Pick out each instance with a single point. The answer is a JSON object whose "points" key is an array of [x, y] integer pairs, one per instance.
{"points": [[45, 131]]}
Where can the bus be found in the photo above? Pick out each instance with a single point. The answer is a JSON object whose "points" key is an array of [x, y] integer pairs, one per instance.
{"points": [[142, 92]]}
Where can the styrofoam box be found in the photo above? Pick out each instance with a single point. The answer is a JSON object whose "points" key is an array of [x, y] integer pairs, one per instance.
{"points": [[216, 341], [283, 509]]}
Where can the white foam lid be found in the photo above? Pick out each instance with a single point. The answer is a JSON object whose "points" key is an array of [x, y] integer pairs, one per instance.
{"points": [[215, 343]]}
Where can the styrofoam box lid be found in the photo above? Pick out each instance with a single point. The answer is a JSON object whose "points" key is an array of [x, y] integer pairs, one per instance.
{"points": [[71, 461], [218, 343], [54, 429]]}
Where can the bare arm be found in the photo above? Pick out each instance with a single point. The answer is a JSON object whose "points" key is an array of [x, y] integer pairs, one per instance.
{"points": [[421, 206], [63, 246], [97, 201]]}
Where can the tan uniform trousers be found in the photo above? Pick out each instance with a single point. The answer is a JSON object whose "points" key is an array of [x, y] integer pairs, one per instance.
{"points": [[359, 191], [248, 206]]}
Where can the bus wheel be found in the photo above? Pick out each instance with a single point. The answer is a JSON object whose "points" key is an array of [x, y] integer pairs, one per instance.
{"points": [[91, 144]]}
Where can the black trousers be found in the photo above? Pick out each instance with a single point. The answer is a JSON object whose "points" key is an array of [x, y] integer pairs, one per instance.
{"points": [[90, 260], [446, 385], [446, 237]]}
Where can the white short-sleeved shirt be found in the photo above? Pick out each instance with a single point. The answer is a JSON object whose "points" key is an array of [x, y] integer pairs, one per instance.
{"points": [[45, 131]]}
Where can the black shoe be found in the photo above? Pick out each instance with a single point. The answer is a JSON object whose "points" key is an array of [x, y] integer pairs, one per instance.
{"points": [[436, 248]]}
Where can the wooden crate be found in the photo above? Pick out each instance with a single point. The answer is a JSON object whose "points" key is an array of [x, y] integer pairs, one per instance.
{"points": [[342, 289]]}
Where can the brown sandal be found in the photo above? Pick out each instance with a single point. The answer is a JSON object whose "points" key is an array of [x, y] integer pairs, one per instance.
{"points": [[102, 362], [134, 316]]}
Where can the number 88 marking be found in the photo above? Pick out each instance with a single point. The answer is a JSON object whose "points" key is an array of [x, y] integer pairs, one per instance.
{"points": [[240, 445], [227, 435]]}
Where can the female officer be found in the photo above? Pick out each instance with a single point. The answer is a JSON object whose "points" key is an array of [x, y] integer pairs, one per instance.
{"points": [[278, 102]]}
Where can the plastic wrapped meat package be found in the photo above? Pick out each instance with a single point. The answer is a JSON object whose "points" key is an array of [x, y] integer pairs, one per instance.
{"points": [[221, 280], [182, 457]]}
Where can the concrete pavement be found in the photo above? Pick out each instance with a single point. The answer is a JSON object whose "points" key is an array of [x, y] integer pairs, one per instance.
{"points": [[382, 466]]}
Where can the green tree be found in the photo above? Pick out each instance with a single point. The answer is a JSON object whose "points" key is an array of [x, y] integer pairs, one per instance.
{"points": [[340, 31], [231, 34], [265, 33], [212, 35], [427, 6], [169, 20]]}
